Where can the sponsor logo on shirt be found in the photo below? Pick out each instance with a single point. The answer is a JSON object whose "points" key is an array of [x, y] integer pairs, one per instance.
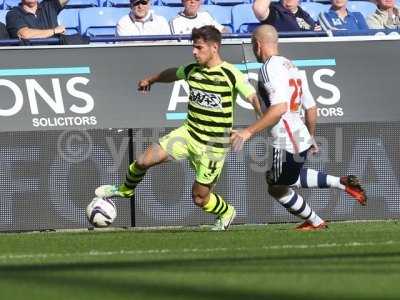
{"points": [[205, 99]]}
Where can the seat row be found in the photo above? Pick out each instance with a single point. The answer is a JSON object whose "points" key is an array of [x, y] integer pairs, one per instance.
{"points": [[101, 21], [7, 4]]}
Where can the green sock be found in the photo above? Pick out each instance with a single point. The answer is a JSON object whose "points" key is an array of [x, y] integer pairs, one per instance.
{"points": [[133, 177], [216, 205]]}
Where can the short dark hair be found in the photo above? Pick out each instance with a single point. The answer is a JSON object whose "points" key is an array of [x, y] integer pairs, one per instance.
{"points": [[208, 33]]}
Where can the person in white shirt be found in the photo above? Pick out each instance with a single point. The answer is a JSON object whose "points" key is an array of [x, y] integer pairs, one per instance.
{"points": [[142, 21], [284, 93], [386, 16], [192, 17]]}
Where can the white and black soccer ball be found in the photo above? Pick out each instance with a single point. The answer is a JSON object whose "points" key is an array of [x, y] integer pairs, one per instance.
{"points": [[101, 212]]}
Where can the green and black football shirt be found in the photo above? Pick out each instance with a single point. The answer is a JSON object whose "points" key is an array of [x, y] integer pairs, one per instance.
{"points": [[212, 97]]}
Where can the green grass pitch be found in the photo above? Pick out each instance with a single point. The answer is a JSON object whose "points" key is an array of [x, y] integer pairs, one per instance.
{"points": [[348, 261]]}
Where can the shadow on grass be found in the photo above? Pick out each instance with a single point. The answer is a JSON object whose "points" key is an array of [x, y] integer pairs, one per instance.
{"points": [[204, 264], [143, 287], [131, 278]]}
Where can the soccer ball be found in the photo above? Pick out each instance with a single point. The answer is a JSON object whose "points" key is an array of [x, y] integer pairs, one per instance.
{"points": [[101, 212]]}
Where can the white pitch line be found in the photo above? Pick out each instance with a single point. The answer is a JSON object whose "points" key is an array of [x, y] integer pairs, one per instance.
{"points": [[10, 257]]}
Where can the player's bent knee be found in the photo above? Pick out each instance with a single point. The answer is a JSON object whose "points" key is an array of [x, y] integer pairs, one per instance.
{"points": [[199, 200], [151, 157], [200, 194]]}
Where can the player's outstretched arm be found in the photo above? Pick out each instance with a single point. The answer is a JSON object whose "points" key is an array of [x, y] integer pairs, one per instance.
{"points": [[255, 101], [270, 118], [168, 75]]}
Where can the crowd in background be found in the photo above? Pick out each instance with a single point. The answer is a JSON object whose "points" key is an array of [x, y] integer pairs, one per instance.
{"points": [[33, 19]]}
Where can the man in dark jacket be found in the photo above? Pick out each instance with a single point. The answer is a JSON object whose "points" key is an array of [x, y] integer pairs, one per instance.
{"points": [[286, 15], [31, 19]]}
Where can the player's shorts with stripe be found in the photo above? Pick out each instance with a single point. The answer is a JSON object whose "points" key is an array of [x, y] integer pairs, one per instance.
{"points": [[207, 164], [285, 169]]}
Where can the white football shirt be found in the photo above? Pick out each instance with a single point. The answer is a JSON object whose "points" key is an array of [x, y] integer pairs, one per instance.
{"points": [[279, 82]]}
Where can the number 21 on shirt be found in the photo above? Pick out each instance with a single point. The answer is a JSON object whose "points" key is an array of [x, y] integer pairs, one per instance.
{"points": [[296, 94]]}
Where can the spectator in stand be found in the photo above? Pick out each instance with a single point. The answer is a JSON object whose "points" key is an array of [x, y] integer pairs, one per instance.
{"points": [[31, 19], [286, 15], [142, 21], [3, 32], [339, 18], [192, 17], [386, 16]]}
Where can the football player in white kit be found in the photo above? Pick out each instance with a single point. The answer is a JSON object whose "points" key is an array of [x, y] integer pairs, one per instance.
{"points": [[284, 94]]}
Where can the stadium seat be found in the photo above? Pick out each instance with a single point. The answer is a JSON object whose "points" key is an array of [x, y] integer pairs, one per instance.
{"points": [[327, 2], [71, 3], [3, 14], [82, 3], [243, 18], [223, 14], [123, 3], [314, 9], [171, 2], [118, 3], [167, 12], [228, 2], [70, 19], [364, 7], [100, 21], [10, 3]]}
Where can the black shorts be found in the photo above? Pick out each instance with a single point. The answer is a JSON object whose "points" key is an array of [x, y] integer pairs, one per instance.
{"points": [[286, 167]]}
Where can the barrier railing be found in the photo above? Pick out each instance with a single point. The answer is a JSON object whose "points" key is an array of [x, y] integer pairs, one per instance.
{"points": [[112, 39], [144, 38]]}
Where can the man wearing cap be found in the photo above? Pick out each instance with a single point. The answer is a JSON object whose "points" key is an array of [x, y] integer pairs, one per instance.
{"points": [[142, 21], [31, 19]]}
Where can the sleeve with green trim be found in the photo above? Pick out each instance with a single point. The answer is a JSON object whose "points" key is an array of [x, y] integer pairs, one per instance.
{"points": [[180, 72]]}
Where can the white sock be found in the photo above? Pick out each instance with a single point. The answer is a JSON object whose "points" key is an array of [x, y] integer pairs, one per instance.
{"points": [[309, 178], [334, 181], [296, 205]]}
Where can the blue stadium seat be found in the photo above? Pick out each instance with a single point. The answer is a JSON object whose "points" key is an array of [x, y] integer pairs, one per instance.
{"points": [[223, 14], [328, 2], [70, 19], [71, 4], [118, 3], [82, 3], [243, 18], [229, 2], [171, 2], [100, 21], [314, 9], [123, 3], [3, 16], [364, 7], [10, 3], [167, 12]]}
